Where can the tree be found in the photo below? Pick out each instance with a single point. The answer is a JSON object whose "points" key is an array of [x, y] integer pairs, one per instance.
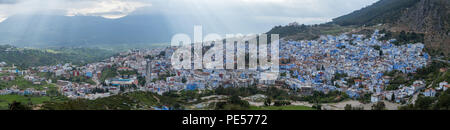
{"points": [[177, 106], [387, 36], [424, 103], [233, 103], [348, 107], [142, 81], [18, 106], [403, 37], [268, 102], [162, 53], [235, 99], [154, 80], [377, 47], [183, 80], [122, 89], [317, 107], [379, 106], [444, 101], [393, 97], [282, 103]]}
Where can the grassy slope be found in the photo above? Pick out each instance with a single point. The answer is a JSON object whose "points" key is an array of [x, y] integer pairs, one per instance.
{"points": [[24, 84], [6, 99]]}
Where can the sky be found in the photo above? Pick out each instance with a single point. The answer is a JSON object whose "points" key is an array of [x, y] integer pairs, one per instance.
{"points": [[229, 13]]}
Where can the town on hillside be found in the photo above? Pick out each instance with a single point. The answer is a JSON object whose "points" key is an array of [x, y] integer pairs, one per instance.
{"points": [[358, 66]]}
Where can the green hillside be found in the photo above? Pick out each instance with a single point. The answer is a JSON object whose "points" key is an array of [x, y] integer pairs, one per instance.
{"points": [[38, 57], [383, 11]]}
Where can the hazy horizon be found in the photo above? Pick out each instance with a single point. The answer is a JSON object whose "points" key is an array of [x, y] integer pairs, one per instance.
{"points": [[229, 12], [58, 22]]}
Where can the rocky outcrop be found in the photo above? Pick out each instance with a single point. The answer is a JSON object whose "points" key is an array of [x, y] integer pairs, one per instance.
{"points": [[431, 17]]}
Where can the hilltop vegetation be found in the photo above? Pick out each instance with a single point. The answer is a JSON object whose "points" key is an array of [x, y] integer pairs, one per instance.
{"points": [[403, 37], [383, 11], [294, 31]]}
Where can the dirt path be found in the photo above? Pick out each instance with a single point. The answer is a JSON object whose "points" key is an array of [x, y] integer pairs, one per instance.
{"points": [[157, 99]]}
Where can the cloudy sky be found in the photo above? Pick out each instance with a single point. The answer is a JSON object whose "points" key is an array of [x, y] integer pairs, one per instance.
{"points": [[228, 12]]}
